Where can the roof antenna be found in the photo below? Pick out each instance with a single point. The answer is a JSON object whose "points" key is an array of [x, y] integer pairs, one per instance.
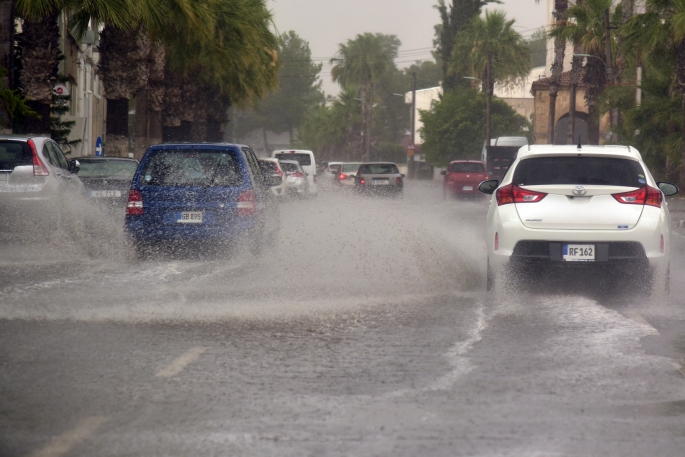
{"points": [[579, 145]]}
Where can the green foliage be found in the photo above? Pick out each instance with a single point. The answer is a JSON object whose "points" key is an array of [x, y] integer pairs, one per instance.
{"points": [[538, 48], [455, 127], [59, 129], [365, 59], [13, 103], [390, 152]]}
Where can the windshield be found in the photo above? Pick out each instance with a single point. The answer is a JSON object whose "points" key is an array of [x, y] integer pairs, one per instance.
{"points": [[379, 169], [304, 159], [107, 168], [14, 154], [350, 167], [579, 170], [467, 167], [192, 168]]}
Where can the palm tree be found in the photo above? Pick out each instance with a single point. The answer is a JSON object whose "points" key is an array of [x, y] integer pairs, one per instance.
{"points": [[360, 63], [497, 52], [560, 7], [658, 32]]}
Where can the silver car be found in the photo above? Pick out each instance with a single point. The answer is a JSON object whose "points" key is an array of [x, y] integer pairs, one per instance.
{"points": [[383, 178], [39, 190], [296, 182]]}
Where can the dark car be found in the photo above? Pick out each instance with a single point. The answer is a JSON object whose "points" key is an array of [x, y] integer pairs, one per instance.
{"points": [[463, 177], [107, 179], [200, 192], [379, 178]]}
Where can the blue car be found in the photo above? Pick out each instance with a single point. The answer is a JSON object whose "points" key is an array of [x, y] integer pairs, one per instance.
{"points": [[200, 192]]}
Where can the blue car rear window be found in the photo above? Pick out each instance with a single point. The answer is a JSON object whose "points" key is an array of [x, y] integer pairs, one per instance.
{"points": [[192, 167]]}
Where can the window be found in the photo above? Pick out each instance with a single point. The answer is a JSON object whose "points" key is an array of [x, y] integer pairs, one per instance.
{"points": [[14, 154], [350, 167], [304, 159], [579, 170], [467, 167], [187, 167], [379, 169], [107, 168]]}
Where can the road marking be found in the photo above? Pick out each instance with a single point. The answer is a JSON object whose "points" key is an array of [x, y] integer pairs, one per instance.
{"points": [[180, 363], [63, 443], [632, 315]]}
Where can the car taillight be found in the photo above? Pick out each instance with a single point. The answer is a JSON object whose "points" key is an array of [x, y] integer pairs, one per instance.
{"points": [[496, 245], [361, 181], [399, 181], [38, 165], [314, 178], [514, 194], [297, 174], [134, 207], [247, 204], [342, 176], [279, 172], [643, 196]]}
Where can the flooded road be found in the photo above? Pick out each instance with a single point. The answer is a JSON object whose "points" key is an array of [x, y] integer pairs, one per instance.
{"points": [[364, 330]]}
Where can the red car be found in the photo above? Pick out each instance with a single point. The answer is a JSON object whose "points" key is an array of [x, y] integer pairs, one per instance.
{"points": [[462, 178]]}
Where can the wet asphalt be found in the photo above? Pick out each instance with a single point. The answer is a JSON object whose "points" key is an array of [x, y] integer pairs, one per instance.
{"points": [[365, 330]]}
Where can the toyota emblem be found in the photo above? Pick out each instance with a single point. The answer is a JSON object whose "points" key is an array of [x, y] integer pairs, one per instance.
{"points": [[579, 190]]}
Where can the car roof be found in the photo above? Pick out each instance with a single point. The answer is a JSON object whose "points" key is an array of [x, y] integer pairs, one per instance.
{"points": [[15, 137], [547, 150], [466, 160], [377, 163], [299, 151]]}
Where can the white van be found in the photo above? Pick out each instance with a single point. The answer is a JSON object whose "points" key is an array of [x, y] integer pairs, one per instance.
{"points": [[306, 159]]}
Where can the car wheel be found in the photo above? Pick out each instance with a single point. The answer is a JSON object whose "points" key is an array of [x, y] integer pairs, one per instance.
{"points": [[490, 278]]}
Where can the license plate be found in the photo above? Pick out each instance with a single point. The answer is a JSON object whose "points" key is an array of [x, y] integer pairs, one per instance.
{"points": [[578, 252], [466, 187], [190, 217], [104, 193], [379, 182]]}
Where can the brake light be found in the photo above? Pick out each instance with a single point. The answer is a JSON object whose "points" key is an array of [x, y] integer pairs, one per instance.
{"points": [[361, 181], [514, 194], [297, 174], [279, 171], [643, 196], [342, 176], [38, 165], [247, 204], [399, 181], [134, 207]]}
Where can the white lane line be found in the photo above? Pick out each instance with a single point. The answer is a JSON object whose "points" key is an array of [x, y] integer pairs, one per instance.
{"points": [[180, 363], [63, 443], [632, 315]]}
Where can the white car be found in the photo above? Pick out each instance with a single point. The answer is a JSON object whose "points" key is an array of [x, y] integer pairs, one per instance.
{"points": [[307, 162], [580, 207], [296, 182]]}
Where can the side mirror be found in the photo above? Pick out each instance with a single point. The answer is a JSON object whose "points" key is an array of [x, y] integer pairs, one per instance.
{"points": [[488, 187], [402, 174], [74, 166], [667, 188], [443, 172]]}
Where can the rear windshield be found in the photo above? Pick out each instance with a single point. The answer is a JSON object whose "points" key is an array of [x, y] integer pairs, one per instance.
{"points": [[467, 167], [106, 168], [289, 167], [335, 166], [268, 167], [379, 169], [187, 167], [579, 170], [350, 167], [304, 159], [14, 154]]}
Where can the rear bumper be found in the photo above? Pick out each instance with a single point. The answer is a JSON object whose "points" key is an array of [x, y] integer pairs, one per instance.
{"points": [[137, 230], [458, 188]]}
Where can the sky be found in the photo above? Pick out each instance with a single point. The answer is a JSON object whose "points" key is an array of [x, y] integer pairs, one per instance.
{"points": [[326, 23]]}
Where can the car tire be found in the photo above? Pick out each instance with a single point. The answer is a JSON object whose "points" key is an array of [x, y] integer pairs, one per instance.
{"points": [[490, 278]]}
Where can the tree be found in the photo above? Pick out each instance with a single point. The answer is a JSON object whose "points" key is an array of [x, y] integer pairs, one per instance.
{"points": [[560, 7], [360, 63], [538, 48], [659, 34], [299, 89], [455, 127], [454, 18]]}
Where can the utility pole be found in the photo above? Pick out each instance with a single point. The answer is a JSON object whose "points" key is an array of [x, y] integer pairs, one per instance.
{"points": [[412, 133], [488, 92]]}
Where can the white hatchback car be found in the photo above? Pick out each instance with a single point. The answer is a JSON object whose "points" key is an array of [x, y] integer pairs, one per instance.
{"points": [[588, 207]]}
